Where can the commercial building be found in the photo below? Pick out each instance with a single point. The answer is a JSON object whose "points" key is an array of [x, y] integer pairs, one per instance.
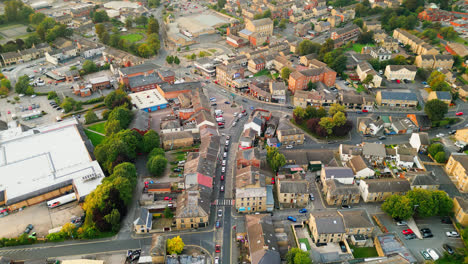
{"points": [[137, 70], [298, 80], [144, 83], [45, 162], [396, 99], [148, 101], [193, 209]]}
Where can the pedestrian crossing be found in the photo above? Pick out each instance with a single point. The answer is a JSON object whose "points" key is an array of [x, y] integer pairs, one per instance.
{"points": [[225, 202]]}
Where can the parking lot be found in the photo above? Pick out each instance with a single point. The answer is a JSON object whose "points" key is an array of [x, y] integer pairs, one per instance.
{"points": [[417, 245], [40, 216], [228, 110]]}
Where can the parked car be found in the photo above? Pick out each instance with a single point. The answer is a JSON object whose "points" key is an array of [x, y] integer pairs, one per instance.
{"points": [[345, 206], [459, 113], [303, 211], [222, 188], [218, 224], [216, 260], [365, 110], [177, 170], [223, 163], [426, 255], [289, 146], [426, 233], [432, 253], [244, 100], [382, 137], [407, 231], [446, 220], [227, 102], [28, 229], [292, 219], [402, 223], [227, 143], [167, 198], [448, 248], [343, 247], [452, 234], [410, 236], [223, 169], [289, 107], [222, 177], [311, 197], [272, 180], [220, 212], [217, 248]]}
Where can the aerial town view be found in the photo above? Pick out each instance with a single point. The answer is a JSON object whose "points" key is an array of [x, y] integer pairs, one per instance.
{"points": [[243, 132]]}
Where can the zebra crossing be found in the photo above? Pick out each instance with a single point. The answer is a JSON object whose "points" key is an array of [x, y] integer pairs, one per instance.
{"points": [[225, 202]]}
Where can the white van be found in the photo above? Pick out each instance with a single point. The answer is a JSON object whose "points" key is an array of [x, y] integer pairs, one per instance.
{"points": [[218, 112], [432, 253]]}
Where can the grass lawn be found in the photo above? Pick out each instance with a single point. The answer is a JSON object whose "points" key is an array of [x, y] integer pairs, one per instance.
{"points": [[132, 37], [11, 25], [305, 241], [96, 139], [360, 88], [98, 128], [358, 47], [262, 72], [212, 50], [364, 252]]}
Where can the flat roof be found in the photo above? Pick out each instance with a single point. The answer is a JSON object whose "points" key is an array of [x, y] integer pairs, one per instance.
{"points": [[44, 159], [147, 99]]}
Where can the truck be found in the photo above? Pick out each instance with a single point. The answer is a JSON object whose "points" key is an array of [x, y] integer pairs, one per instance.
{"points": [[61, 200]]}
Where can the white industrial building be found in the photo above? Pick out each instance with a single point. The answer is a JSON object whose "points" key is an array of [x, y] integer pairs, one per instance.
{"points": [[45, 162]]}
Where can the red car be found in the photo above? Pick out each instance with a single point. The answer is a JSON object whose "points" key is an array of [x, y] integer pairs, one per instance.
{"points": [[365, 110], [220, 124], [407, 231], [459, 113], [217, 248], [146, 184], [222, 177], [243, 111], [398, 81], [167, 198]]}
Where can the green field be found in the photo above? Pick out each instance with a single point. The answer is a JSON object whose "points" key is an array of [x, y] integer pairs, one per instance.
{"points": [[358, 47], [305, 241], [98, 128], [265, 72], [132, 37], [364, 252], [96, 139]]}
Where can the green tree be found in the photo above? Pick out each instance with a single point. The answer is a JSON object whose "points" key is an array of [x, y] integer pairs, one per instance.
{"points": [[297, 256], [328, 124], [145, 51], [22, 84], [90, 117], [328, 46], [448, 33], [436, 109], [175, 245], [299, 113], [339, 119], [440, 157], [123, 114], [99, 28], [117, 98], [398, 206], [69, 230], [285, 72], [141, 20], [423, 202], [443, 203], [30, 90], [335, 108], [358, 22], [68, 104], [433, 149], [156, 152], [275, 159], [5, 83], [150, 141], [307, 47], [156, 165], [114, 40], [176, 60], [113, 219], [36, 18], [100, 16], [112, 127], [311, 86], [153, 26], [169, 59], [51, 95], [128, 22], [283, 23], [369, 78], [89, 66], [168, 213]]}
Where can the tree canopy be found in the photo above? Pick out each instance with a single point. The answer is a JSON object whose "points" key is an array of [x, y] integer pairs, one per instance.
{"points": [[175, 245], [436, 109]]}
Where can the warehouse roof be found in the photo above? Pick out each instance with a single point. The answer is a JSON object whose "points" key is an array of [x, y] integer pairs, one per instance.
{"points": [[44, 159], [147, 99]]}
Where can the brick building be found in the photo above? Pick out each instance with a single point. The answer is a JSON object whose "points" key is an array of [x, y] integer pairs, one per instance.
{"points": [[298, 80]]}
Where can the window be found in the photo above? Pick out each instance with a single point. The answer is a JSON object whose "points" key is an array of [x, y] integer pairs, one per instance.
{"points": [[201, 220], [248, 204], [191, 220], [182, 225], [259, 203], [181, 220]]}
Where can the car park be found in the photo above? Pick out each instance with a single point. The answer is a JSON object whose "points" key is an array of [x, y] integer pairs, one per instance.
{"points": [[292, 219], [448, 248], [446, 220], [452, 234]]}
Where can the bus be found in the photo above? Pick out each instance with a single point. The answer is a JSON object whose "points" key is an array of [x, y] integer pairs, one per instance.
{"points": [[61, 200], [33, 115]]}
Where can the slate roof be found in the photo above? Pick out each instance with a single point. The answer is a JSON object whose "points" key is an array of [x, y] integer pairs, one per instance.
{"points": [[328, 222], [337, 188], [443, 95], [140, 68], [374, 149], [425, 178], [356, 218], [298, 187], [387, 185], [138, 81], [262, 241], [338, 173], [399, 96]]}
